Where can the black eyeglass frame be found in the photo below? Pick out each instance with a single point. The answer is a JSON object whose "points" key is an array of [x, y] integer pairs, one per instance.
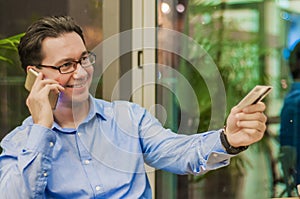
{"points": [[89, 54]]}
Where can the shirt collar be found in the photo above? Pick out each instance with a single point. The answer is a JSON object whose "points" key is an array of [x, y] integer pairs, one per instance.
{"points": [[64, 130], [95, 109]]}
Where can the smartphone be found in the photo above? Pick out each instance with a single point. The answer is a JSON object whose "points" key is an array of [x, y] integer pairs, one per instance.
{"points": [[30, 79], [258, 93]]}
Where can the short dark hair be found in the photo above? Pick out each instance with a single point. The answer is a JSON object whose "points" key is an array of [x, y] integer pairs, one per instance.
{"points": [[51, 26], [294, 61]]}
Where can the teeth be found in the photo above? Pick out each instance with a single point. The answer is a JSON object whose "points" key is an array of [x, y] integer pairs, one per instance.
{"points": [[75, 86], [78, 83]]}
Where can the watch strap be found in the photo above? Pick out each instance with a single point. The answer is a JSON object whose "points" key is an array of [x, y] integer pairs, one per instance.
{"points": [[230, 149]]}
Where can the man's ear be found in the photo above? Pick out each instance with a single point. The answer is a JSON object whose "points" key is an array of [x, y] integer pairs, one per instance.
{"points": [[29, 67]]}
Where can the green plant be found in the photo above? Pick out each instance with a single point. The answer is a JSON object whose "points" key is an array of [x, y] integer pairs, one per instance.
{"points": [[12, 102], [9, 45]]}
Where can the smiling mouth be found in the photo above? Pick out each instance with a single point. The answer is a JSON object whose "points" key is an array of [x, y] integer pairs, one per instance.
{"points": [[77, 84]]}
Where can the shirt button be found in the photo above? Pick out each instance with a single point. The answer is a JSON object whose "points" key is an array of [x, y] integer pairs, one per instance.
{"points": [[86, 162], [291, 121], [79, 134], [98, 188], [45, 174], [51, 144]]}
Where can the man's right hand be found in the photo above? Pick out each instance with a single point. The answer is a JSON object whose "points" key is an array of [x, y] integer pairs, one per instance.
{"points": [[38, 100]]}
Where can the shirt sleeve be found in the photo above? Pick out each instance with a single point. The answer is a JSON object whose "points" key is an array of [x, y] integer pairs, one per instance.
{"points": [[26, 161], [178, 153]]}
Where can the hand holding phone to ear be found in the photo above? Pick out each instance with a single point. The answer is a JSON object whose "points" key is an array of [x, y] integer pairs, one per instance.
{"points": [[42, 98]]}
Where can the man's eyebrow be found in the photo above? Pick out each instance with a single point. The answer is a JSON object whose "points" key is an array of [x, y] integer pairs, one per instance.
{"points": [[71, 59], [84, 53]]}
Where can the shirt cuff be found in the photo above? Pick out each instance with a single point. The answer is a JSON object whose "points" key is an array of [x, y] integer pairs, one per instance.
{"points": [[40, 139], [216, 153]]}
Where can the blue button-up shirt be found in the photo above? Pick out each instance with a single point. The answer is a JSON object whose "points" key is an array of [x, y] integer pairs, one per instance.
{"points": [[103, 158]]}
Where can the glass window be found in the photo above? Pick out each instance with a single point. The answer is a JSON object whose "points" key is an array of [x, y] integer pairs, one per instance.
{"points": [[239, 42]]}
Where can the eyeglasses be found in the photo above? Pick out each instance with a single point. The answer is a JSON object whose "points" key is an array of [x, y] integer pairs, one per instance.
{"points": [[85, 61]]}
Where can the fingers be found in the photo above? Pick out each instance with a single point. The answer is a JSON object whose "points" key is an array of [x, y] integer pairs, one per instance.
{"points": [[252, 120], [41, 83], [250, 128], [54, 87], [259, 107], [41, 111], [255, 125], [46, 85], [41, 89], [256, 116], [250, 113], [246, 126], [245, 137]]}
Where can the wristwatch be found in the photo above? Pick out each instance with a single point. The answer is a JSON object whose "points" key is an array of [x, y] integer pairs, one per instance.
{"points": [[230, 149]]}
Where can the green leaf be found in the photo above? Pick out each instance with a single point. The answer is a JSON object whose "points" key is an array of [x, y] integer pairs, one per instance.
{"points": [[9, 44], [6, 59]]}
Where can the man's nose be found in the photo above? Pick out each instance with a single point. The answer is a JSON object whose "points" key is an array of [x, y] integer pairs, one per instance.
{"points": [[80, 71]]}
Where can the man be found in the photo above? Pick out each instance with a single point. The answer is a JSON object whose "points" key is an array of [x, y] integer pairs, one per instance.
{"points": [[290, 124], [89, 148]]}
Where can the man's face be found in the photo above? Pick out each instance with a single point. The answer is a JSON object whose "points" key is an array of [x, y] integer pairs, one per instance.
{"points": [[57, 51]]}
